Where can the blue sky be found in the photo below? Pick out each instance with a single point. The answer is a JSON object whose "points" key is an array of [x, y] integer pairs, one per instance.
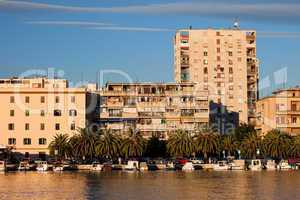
{"points": [[82, 37]]}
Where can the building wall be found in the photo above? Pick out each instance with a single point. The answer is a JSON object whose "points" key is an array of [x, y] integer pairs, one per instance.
{"points": [[222, 62], [280, 111], [58, 98], [153, 108]]}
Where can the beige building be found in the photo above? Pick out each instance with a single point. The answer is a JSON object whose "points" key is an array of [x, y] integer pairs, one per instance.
{"points": [[280, 111], [34, 110], [223, 62], [153, 108]]}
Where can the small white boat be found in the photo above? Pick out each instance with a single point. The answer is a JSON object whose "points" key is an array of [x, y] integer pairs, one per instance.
{"points": [[188, 166], [170, 166], [42, 166], [271, 165], [58, 167], [24, 166], [2, 165], [237, 165], [132, 165], [255, 165], [96, 166], [284, 165], [221, 165]]}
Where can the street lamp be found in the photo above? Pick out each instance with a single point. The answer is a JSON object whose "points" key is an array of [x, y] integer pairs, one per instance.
{"points": [[257, 152], [239, 152], [224, 154]]}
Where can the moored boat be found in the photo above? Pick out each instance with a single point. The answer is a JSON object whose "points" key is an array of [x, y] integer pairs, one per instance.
{"points": [[188, 166], [284, 165], [24, 166], [237, 164], [42, 166], [96, 166], [2, 165], [255, 165], [271, 165], [132, 165], [221, 165]]}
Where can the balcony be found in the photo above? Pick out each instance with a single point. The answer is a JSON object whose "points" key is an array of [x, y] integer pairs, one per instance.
{"points": [[151, 127], [288, 112], [114, 104]]}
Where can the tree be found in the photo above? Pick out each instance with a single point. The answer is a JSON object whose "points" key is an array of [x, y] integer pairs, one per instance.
{"points": [[133, 145], [242, 131], [181, 144], [107, 144], [276, 144], [294, 149], [250, 144], [60, 143], [83, 143], [207, 142], [155, 147], [229, 144]]}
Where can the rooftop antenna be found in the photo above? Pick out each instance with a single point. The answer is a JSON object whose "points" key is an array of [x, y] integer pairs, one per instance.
{"points": [[236, 24]]}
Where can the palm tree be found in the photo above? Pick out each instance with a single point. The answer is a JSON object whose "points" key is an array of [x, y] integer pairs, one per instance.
{"points": [[134, 145], [229, 144], [107, 145], [181, 144], [242, 131], [155, 147], [276, 144], [207, 142], [250, 144], [60, 144], [83, 143], [294, 149]]}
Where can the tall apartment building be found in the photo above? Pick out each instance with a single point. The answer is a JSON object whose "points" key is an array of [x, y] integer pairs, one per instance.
{"points": [[280, 111], [34, 110], [153, 109], [223, 62]]}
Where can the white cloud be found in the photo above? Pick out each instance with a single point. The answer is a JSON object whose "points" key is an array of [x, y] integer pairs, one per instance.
{"points": [[70, 23], [261, 10], [134, 29]]}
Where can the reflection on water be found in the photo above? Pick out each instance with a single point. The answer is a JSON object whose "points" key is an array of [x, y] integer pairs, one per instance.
{"points": [[151, 185]]}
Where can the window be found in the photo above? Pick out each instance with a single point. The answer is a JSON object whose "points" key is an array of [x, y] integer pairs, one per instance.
{"points": [[27, 100], [230, 70], [73, 99], [218, 58], [26, 113], [205, 70], [72, 126], [11, 126], [26, 126], [239, 59], [57, 113], [56, 99], [42, 126], [205, 62], [12, 99], [230, 53], [72, 112], [230, 62], [42, 99], [42, 141], [27, 141], [218, 50], [11, 141], [57, 126], [42, 113], [12, 113], [205, 53], [218, 41], [294, 120]]}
